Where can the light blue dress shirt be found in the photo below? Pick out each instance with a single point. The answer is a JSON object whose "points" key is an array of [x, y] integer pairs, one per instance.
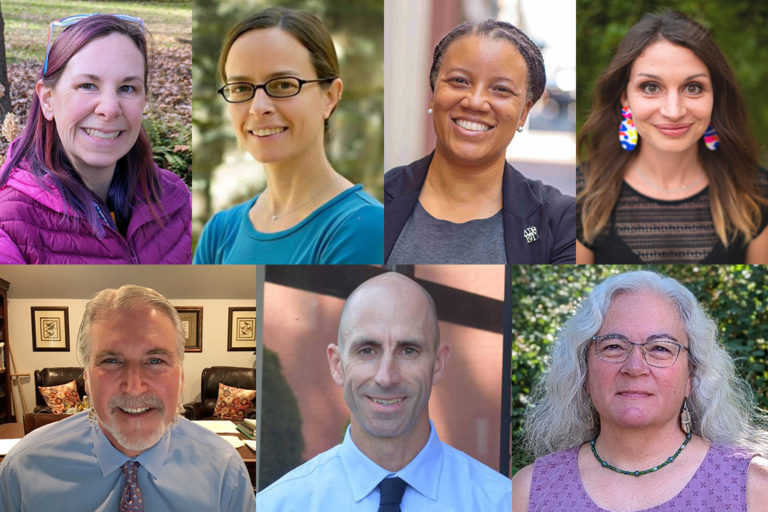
{"points": [[440, 479], [348, 229], [70, 465]]}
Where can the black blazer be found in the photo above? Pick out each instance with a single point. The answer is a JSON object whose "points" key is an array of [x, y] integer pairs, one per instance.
{"points": [[539, 221]]}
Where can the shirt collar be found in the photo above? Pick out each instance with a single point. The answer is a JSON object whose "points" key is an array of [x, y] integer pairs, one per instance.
{"points": [[110, 458], [422, 473]]}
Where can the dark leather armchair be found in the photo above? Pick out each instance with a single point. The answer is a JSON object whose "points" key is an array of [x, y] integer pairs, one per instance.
{"points": [[54, 377], [34, 420], [234, 376]]}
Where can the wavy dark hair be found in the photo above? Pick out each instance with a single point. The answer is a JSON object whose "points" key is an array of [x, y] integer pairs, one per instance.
{"points": [[136, 178], [305, 27], [732, 170]]}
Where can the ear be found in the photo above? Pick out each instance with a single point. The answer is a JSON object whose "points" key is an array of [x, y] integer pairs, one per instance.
{"points": [[334, 362], [524, 113], [624, 98], [332, 97], [87, 384], [441, 360], [44, 94]]}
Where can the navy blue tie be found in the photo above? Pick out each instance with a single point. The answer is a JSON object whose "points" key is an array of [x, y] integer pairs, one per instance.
{"points": [[392, 490]]}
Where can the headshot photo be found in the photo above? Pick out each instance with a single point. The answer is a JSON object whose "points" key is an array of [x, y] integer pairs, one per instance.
{"points": [[95, 153], [381, 390], [486, 90], [673, 126], [289, 143], [646, 393]]}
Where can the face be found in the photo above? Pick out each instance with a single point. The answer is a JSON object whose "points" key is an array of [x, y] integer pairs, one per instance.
{"points": [[633, 393], [479, 100], [97, 103], [670, 95], [278, 129], [388, 361], [134, 377]]}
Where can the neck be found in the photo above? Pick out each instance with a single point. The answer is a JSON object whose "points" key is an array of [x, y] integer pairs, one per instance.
{"points": [[98, 181], [292, 182], [391, 453], [669, 170], [638, 449]]}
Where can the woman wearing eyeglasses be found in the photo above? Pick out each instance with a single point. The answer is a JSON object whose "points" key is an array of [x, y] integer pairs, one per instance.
{"points": [[80, 185], [642, 410], [279, 105]]}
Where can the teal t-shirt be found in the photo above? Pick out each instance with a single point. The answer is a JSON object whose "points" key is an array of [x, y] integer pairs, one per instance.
{"points": [[348, 229]]}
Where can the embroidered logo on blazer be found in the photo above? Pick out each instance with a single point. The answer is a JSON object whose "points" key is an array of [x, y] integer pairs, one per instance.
{"points": [[531, 234]]}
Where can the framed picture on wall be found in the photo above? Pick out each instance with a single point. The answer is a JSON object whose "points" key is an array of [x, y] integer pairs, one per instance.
{"points": [[242, 329], [192, 326], [50, 329]]}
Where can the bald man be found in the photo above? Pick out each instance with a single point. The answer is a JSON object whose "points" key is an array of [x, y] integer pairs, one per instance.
{"points": [[387, 357]]}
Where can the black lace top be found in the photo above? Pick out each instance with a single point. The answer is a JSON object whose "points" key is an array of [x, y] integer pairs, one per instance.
{"points": [[646, 230]]}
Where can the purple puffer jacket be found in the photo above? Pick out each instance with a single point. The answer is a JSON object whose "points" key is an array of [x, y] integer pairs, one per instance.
{"points": [[37, 226]]}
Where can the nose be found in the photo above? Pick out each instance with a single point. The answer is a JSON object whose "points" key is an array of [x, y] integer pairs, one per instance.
{"points": [[388, 372], [134, 380], [476, 98], [673, 106], [261, 103], [635, 363], [108, 106]]}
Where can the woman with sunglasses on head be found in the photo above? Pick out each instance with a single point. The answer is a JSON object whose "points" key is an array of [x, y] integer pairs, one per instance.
{"points": [[671, 172], [279, 105], [80, 185], [464, 203], [642, 410]]}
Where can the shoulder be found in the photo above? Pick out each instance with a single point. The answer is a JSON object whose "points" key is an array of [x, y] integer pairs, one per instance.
{"points": [[67, 434], [305, 483], [228, 220], [495, 486], [535, 193], [757, 483], [521, 488], [190, 434], [174, 192], [406, 178], [354, 207]]}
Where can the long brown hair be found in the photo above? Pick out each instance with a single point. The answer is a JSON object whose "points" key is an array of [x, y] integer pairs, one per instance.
{"points": [[731, 169]]}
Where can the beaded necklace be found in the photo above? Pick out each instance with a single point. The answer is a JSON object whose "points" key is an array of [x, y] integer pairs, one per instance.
{"points": [[639, 473]]}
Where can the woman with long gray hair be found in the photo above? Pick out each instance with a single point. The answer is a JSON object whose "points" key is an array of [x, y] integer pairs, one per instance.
{"points": [[642, 410]]}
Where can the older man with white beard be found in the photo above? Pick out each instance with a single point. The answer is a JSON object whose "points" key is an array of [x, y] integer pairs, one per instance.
{"points": [[131, 452]]}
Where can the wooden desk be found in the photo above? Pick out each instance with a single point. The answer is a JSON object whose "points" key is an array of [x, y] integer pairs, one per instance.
{"points": [[16, 431]]}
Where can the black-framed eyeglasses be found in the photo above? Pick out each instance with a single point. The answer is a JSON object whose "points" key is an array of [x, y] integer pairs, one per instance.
{"points": [[281, 87], [658, 352], [71, 20]]}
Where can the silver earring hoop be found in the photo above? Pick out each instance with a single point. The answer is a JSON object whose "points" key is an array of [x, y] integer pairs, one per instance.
{"points": [[429, 111]]}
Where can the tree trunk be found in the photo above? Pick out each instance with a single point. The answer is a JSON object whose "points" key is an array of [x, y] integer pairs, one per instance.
{"points": [[5, 101]]}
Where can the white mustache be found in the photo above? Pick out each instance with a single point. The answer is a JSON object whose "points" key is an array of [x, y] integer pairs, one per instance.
{"points": [[136, 402]]}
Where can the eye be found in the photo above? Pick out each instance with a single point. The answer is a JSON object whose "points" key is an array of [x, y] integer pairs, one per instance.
{"points": [[410, 351], [126, 89], [366, 351], [694, 89], [650, 88], [87, 86], [155, 361], [109, 361], [457, 80], [503, 90]]}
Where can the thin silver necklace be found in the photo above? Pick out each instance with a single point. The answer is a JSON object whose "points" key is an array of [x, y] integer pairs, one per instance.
{"points": [[275, 216], [668, 190]]}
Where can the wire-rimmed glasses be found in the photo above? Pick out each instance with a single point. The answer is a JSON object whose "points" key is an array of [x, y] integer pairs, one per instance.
{"points": [[71, 20], [280, 87], [660, 352]]}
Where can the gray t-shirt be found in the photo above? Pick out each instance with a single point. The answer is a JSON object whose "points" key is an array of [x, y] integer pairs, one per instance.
{"points": [[427, 240]]}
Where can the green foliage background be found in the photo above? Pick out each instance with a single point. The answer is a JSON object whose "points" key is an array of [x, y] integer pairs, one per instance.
{"points": [[738, 27], [544, 297]]}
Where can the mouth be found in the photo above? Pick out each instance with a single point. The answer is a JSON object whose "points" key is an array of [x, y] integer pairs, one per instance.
{"points": [[472, 126], [634, 394], [102, 135], [674, 130], [267, 132], [386, 403], [134, 412]]}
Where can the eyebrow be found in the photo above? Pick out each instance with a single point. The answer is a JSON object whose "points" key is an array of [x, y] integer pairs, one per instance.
{"points": [[362, 342], [652, 337], [97, 78], [497, 77], [276, 74], [656, 77], [153, 352]]}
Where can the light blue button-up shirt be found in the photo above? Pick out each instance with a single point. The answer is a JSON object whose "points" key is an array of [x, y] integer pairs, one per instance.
{"points": [[440, 479], [70, 465]]}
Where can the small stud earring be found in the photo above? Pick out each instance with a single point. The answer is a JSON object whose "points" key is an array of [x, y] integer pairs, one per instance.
{"points": [[520, 129], [429, 111]]}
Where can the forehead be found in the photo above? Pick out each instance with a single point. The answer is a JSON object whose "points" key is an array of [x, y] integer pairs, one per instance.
{"points": [[278, 52], [667, 60], [643, 313], [386, 312], [114, 52], [132, 330], [481, 51]]}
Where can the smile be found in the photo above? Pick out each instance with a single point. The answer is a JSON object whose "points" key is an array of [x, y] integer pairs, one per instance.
{"points": [[384, 401], [472, 126], [266, 132], [140, 410], [98, 134], [673, 130]]}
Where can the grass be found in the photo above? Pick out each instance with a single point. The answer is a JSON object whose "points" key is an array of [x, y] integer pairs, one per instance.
{"points": [[27, 22]]}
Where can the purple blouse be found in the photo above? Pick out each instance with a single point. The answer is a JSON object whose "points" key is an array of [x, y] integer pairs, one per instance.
{"points": [[719, 484]]}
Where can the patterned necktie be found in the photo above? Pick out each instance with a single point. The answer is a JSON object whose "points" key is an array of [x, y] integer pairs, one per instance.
{"points": [[392, 490], [131, 500]]}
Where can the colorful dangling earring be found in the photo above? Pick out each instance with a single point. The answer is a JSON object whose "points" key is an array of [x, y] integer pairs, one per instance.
{"points": [[685, 417], [711, 139], [627, 130]]}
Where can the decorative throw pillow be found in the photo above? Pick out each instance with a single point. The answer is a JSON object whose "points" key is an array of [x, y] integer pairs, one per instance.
{"points": [[233, 402], [60, 398]]}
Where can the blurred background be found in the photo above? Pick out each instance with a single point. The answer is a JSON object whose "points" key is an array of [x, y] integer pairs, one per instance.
{"points": [[738, 27], [545, 149], [224, 175]]}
